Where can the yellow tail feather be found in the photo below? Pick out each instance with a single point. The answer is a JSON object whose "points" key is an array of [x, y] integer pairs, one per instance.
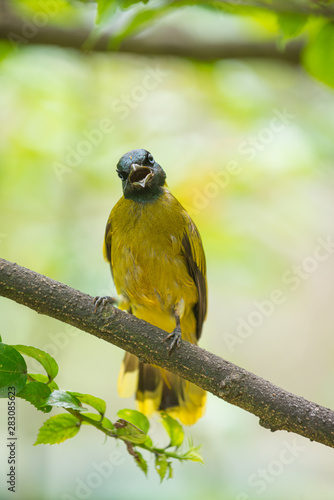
{"points": [[159, 390], [128, 376]]}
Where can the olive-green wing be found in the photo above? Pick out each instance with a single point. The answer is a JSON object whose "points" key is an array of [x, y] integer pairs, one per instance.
{"points": [[195, 257], [107, 242]]}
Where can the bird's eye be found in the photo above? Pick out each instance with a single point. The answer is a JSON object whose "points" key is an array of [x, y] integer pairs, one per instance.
{"points": [[122, 175], [150, 158]]}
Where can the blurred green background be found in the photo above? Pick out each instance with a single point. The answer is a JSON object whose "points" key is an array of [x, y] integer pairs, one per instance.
{"points": [[248, 149]]}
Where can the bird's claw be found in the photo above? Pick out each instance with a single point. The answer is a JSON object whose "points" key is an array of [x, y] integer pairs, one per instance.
{"points": [[102, 301], [174, 338]]}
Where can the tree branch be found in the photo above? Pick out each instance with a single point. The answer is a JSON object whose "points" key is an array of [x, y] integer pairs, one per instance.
{"points": [[276, 408], [22, 31]]}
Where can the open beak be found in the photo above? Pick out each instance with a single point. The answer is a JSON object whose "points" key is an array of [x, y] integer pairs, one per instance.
{"points": [[139, 175]]}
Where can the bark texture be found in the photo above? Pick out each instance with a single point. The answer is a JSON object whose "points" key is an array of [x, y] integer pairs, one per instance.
{"points": [[276, 408]]}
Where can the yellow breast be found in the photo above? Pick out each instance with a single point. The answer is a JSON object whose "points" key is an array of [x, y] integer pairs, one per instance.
{"points": [[147, 260]]}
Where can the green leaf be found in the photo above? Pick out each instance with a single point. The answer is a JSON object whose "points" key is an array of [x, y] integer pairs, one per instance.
{"points": [[13, 370], [135, 418], [141, 462], [39, 377], [105, 9], [36, 393], [57, 429], [63, 399], [6, 49], [87, 399], [161, 466], [318, 56], [170, 470], [125, 4], [48, 362], [148, 442], [129, 432], [141, 17], [174, 430], [97, 418], [193, 455], [291, 24]]}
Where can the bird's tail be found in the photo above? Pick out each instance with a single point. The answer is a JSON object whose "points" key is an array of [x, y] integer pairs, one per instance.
{"points": [[159, 390]]}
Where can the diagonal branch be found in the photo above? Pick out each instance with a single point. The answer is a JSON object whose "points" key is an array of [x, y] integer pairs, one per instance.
{"points": [[22, 31], [276, 408]]}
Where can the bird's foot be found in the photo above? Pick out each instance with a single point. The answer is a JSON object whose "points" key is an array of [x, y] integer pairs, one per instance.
{"points": [[102, 301], [174, 338]]}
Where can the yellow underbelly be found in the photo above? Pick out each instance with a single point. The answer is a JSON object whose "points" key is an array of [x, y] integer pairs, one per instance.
{"points": [[150, 271]]}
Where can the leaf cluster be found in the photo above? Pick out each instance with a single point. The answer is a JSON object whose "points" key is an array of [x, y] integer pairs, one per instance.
{"points": [[43, 393], [310, 21]]}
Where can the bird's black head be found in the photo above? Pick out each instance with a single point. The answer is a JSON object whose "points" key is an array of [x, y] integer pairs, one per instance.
{"points": [[142, 178]]}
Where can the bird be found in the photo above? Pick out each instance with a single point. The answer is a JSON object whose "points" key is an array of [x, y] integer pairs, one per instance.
{"points": [[158, 266]]}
